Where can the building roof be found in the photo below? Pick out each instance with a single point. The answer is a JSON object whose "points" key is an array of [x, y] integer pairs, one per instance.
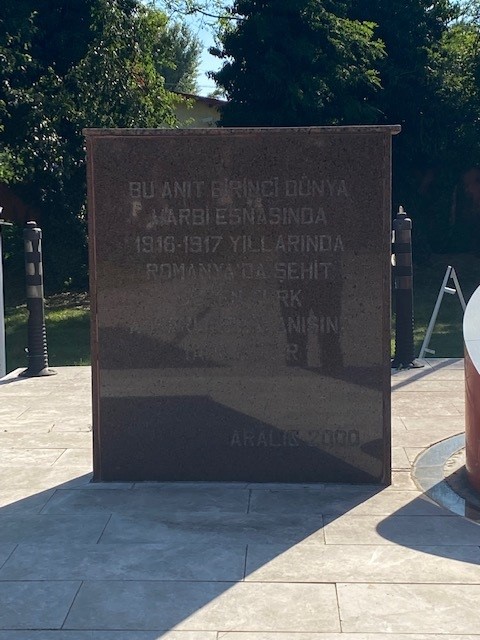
{"points": [[211, 102]]}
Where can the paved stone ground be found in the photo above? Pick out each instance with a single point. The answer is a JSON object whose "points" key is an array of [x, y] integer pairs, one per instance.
{"points": [[85, 561]]}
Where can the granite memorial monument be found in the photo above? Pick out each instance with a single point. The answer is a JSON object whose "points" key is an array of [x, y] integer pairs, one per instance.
{"points": [[240, 283]]}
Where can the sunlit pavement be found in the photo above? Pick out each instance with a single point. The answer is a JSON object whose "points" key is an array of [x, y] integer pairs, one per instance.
{"points": [[235, 561]]}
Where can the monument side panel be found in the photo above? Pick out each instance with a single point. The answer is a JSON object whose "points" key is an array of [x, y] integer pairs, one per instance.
{"points": [[387, 305], [386, 299], [241, 304], [92, 250]]}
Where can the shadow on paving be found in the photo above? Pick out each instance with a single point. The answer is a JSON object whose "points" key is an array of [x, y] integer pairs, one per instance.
{"points": [[100, 558], [124, 561], [420, 374], [440, 533], [93, 556]]}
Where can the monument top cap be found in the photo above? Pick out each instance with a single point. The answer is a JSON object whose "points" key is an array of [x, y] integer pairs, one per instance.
{"points": [[353, 129]]}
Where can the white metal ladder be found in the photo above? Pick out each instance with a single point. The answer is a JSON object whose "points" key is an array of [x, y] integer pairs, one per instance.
{"points": [[449, 273]]}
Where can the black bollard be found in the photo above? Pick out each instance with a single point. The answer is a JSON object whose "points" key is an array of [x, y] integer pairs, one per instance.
{"points": [[37, 336], [3, 357], [404, 347]]}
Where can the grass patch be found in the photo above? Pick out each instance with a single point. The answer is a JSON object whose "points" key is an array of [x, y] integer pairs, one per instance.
{"points": [[447, 337], [68, 317]]}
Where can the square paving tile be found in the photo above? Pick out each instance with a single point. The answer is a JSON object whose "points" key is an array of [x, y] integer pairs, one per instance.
{"points": [[414, 608], [150, 500], [403, 481], [38, 478], [435, 426], [14, 501], [233, 635], [5, 552], [75, 425], [429, 384], [205, 606], [307, 562], [12, 457], [39, 529], [444, 364], [333, 500], [33, 440], [70, 458], [422, 438], [400, 459], [109, 635], [408, 405], [174, 561], [15, 407], [44, 426], [35, 605], [410, 531], [218, 530]]}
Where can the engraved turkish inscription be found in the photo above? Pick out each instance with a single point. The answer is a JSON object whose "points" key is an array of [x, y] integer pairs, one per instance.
{"points": [[202, 242], [241, 304]]}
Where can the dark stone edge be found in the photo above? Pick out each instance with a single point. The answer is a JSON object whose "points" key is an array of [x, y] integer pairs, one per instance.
{"points": [[364, 129]]}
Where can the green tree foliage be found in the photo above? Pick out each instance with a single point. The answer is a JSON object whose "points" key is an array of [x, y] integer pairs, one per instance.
{"points": [[66, 66], [456, 65], [206, 11], [412, 31], [409, 62], [430, 86], [179, 70], [456, 68], [298, 62]]}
